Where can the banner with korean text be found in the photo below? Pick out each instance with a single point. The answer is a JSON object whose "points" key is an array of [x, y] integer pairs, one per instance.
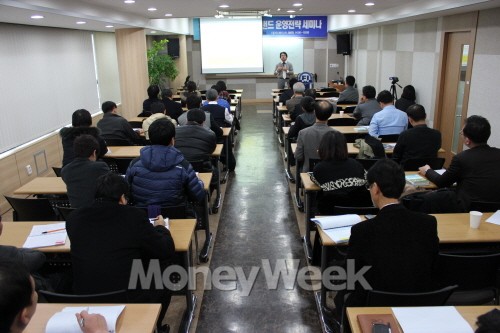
{"points": [[299, 26]]}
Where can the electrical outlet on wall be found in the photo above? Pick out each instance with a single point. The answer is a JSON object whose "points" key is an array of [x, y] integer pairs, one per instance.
{"points": [[29, 170]]}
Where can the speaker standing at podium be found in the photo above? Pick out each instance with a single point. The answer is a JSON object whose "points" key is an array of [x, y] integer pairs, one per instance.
{"points": [[283, 70]]}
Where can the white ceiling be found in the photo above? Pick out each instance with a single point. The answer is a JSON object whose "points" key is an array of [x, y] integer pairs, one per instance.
{"points": [[99, 13]]}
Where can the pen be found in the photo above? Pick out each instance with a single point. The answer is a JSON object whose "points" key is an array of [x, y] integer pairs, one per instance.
{"points": [[389, 325], [55, 230]]}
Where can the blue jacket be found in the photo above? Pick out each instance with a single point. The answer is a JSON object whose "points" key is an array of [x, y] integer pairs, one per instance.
{"points": [[161, 176]]}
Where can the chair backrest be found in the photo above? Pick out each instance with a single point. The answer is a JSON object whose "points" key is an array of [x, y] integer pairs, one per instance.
{"points": [[412, 164], [389, 137], [328, 94], [57, 171], [231, 91], [32, 209], [117, 142], [367, 162], [484, 206], [118, 165], [327, 89], [340, 210], [134, 124], [119, 296], [172, 212], [64, 211], [349, 109], [342, 122], [469, 272], [431, 298]]}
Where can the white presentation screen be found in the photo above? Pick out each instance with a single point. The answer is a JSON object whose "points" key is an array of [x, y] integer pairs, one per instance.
{"points": [[231, 45]]}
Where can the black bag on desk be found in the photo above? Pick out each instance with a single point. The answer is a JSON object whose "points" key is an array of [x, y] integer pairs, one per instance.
{"points": [[489, 322], [440, 201]]}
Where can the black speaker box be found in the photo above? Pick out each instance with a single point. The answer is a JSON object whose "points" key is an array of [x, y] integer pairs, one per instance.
{"points": [[344, 44]]}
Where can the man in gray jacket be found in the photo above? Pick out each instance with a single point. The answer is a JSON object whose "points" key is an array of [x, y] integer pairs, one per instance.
{"points": [[367, 106]]}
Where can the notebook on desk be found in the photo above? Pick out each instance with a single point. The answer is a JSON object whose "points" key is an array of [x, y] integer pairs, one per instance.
{"points": [[66, 322], [337, 227]]}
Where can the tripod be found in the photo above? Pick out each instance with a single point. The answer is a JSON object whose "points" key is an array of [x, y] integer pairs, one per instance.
{"points": [[393, 90]]}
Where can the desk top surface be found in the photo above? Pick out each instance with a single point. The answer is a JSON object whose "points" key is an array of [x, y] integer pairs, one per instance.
{"points": [[15, 233], [135, 151], [452, 229], [134, 318], [470, 314]]}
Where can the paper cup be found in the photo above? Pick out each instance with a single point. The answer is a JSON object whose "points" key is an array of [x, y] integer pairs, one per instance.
{"points": [[281, 103], [475, 219], [341, 113]]}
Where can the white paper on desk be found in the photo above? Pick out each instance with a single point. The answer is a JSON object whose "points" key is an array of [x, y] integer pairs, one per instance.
{"points": [[361, 128], [495, 218], [436, 319], [336, 221], [37, 238], [66, 322], [339, 235]]}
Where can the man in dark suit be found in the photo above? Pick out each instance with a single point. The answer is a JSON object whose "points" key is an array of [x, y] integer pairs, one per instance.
{"points": [[110, 237], [399, 246], [174, 109], [80, 175], [476, 170]]}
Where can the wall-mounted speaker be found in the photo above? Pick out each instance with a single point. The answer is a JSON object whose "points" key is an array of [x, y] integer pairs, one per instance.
{"points": [[344, 44]]}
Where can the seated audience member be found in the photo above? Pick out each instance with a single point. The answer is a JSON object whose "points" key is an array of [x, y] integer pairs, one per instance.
{"points": [[81, 174], [161, 175], [408, 98], [298, 110], [190, 90], [113, 126], [105, 260], [194, 102], [153, 92], [350, 94], [223, 94], [419, 141], [389, 120], [81, 122], [309, 138], [221, 114], [287, 94], [157, 112], [367, 106], [298, 94], [196, 142], [305, 119], [475, 170], [400, 246], [18, 301], [221, 101], [342, 179], [173, 108]]}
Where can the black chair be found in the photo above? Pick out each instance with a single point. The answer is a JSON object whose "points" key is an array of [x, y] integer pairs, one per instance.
{"points": [[117, 142], [327, 89], [134, 124], [119, 296], [484, 206], [349, 109], [64, 212], [342, 122], [412, 164], [118, 165], [231, 91], [57, 171], [328, 94], [431, 298], [367, 162], [477, 277], [32, 209], [389, 137]]}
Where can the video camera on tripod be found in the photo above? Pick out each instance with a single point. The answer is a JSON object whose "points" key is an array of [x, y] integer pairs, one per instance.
{"points": [[394, 82]]}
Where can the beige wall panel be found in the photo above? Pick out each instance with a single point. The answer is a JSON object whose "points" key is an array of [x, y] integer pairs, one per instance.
{"points": [[425, 35], [132, 65], [389, 37], [488, 30], [460, 22], [9, 180]]}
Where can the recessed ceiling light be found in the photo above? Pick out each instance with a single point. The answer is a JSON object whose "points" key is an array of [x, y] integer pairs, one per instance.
{"points": [[129, 1], [369, 4], [279, 9], [37, 17], [298, 4], [152, 9], [224, 6], [168, 14], [290, 11], [110, 26], [81, 22], [351, 11]]}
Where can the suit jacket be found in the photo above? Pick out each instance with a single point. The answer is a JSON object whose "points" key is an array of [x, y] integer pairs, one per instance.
{"points": [[174, 109], [106, 238], [476, 172], [400, 245], [113, 126], [308, 143], [80, 177], [291, 103], [350, 94], [195, 142], [417, 142], [365, 111]]}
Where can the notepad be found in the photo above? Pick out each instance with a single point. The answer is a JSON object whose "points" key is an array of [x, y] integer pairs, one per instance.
{"points": [[417, 180], [338, 227], [46, 235], [437, 319], [66, 322]]}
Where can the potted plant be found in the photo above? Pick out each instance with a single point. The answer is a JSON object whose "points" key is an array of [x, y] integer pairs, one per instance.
{"points": [[160, 66]]}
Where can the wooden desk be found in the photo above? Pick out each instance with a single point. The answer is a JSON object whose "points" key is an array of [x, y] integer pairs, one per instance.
{"points": [[135, 151], [134, 318], [43, 185], [470, 314], [137, 119]]}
